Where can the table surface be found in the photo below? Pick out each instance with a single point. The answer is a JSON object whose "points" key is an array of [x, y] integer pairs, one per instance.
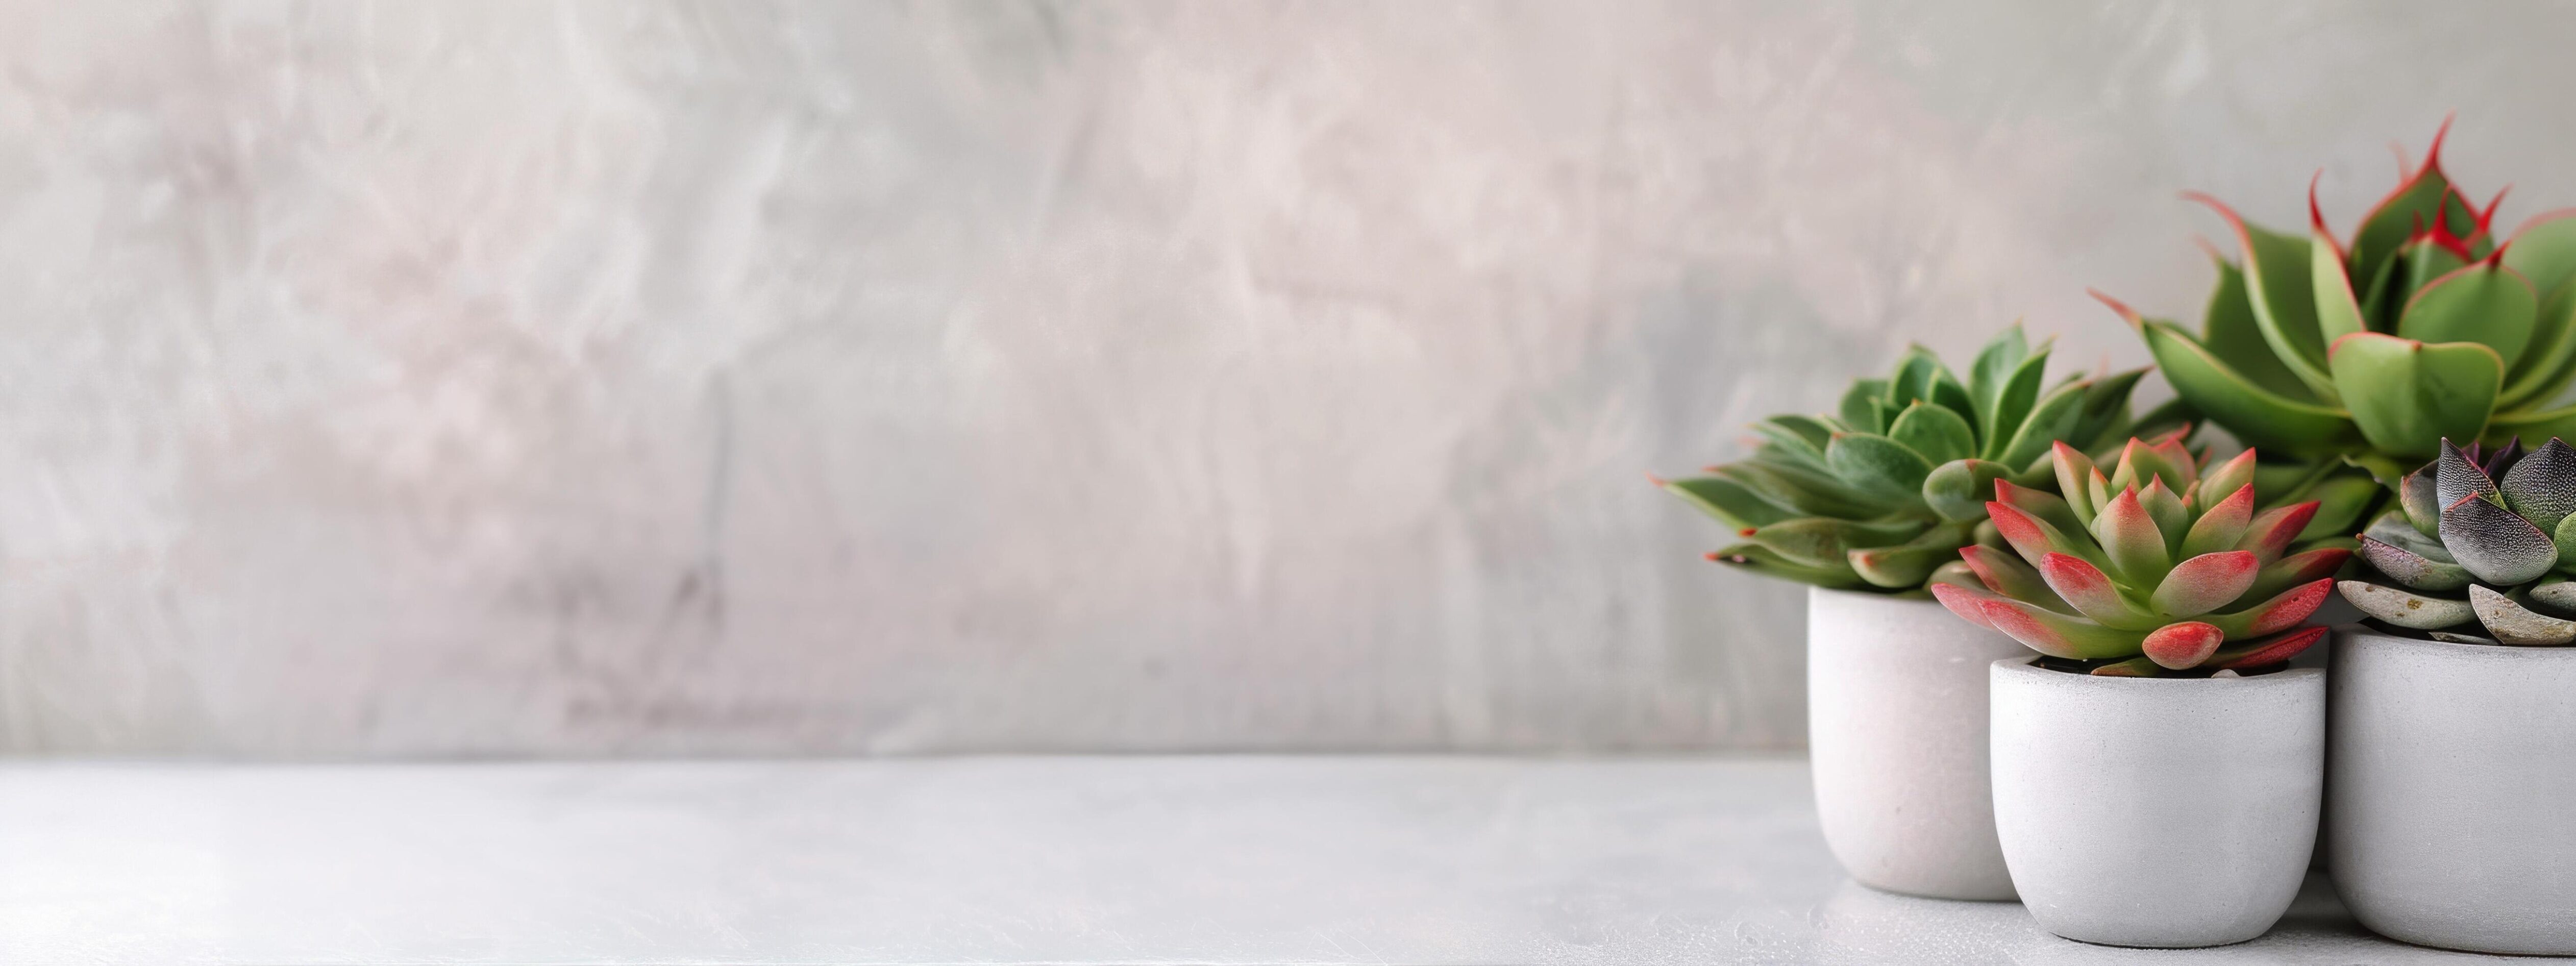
{"points": [[1082, 860]]}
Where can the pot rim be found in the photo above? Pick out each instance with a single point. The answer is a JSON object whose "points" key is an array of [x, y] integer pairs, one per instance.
{"points": [[2029, 666], [2456, 649]]}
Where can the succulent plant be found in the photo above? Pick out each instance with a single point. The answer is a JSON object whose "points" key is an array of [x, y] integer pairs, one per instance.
{"points": [[2481, 538], [2424, 327], [2148, 570], [1892, 486]]}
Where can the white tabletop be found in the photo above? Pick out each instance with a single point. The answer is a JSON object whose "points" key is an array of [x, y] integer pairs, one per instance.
{"points": [[1022, 860]]}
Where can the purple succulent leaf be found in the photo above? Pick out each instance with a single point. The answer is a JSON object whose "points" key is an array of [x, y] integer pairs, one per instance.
{"points": [[2456, 474], [2494, 544], [2416, 496], [2542, 487], [2412, 569]]}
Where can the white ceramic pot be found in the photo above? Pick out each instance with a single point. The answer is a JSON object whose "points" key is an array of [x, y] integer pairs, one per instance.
{"points": [[1896, 729], [2453, 801], [2167, 812]]}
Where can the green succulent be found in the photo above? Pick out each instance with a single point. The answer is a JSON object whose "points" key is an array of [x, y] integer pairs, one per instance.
{"points": [[2481, 540], [2149, 570], [2423, 328], [1895, 483]]}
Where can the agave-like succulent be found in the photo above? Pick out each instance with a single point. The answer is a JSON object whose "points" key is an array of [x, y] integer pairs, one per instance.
{"points": [[1892, 487], [2423, 327], [2148, 570], [2482, 538]]}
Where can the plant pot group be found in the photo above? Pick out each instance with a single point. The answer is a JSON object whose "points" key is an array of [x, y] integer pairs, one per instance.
{"points": [[2179, 812]]}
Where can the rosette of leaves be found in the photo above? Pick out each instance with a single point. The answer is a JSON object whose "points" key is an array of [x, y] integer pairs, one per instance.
{"points": [[2148, 570], [1890, 487], [2484, 539], [2421, 326]]}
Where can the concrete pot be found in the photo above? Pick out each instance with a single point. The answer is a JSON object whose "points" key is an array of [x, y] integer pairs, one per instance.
{"points": [[2453, 799], [2164, 812], [1896, 729]]}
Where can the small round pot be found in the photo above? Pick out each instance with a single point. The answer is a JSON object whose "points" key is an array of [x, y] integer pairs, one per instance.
{"points": [[1896, 730], [2161, 812], [2452, 807]]}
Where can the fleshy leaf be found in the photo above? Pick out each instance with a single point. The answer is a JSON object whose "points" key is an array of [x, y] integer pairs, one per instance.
{"points": [[2222, 482], [1761, 560], [2073, 469], [2296, 569], [2260, 416], [2051, 419], [2276, 285], [2091, 593], [2549, 361], [2059, 635], [2130, 539], [2542, 488], [1861, 409], [2272, 531], [2411, 569], [1732, 503], [2511, 623], [2232, 336], [2497, 546], [2338, 309], [1935, 432], [2560, 594], [1967, 602], [2039, 503], [2205, 583], [2183, 645], [2341, 501], [1904, 566], [2424, 200], [2034, 538], [2172, 518], [2006, 574], [2223, 525], [2407, 396], [2282, 612], [2455, 475], [2485, 303], [1878, 466], [2266, 652], [2423, 506], [2405, 608], [1958, 490]]}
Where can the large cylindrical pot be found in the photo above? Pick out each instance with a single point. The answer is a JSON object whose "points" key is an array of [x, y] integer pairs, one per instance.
{"points": [[2453, 799], [2164, 812], [1896, 729]]}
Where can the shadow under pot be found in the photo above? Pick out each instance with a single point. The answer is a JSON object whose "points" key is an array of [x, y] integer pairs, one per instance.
{"points": [[1896, 732], [2158, 812], [2453, 800]]}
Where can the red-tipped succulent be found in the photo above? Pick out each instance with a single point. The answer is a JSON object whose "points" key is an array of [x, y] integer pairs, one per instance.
{"points": [[2150, 569]]}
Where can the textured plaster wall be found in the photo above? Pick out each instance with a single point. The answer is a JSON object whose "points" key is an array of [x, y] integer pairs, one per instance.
{"points": [[522, 378]]}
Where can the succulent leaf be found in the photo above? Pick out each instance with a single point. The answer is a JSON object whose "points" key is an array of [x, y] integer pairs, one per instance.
{"points": [[2040, 503], [2059, 635], [2232, 337], [2130, 539], [2204, 583], [2456, 474], [2338, 309], [2272, 531], [2405, 608], [1967, 602], [2283, 611], [2092, 594], [2426, 198], [2341, 503], [2173, 520], [2550, 360], [1958, 490], [1907, 565], [1934, 432], [1861, 408], [2051, 419], [2183, 645], [2266, 652], [2223, 524], [1760, 560], [2297, 569], [2034, 539], [2006, 574], [2417, 497], [2542, 487], [2511, 623], [2414, 570], [2221, 483], [2495, 545], [2276, 285], [2002, 385], [1878, 466], [2073, 469], [2407, 396], [1738, 506], [2559, 594], [2485, 303], [2262, 416]]}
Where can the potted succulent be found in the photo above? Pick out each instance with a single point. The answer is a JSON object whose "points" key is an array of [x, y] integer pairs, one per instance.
{"points": [[2452, 803], [1863, 506], [2425, 326], [2158, 770]]}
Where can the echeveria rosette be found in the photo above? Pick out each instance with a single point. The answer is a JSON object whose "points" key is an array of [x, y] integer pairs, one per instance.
{"points": [[2150, 569], [1892, 485], [2481, 539], [2424, 327]]}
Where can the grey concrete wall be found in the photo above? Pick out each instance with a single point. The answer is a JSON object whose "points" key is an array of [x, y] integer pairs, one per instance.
{"points": [[520, 378]]}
